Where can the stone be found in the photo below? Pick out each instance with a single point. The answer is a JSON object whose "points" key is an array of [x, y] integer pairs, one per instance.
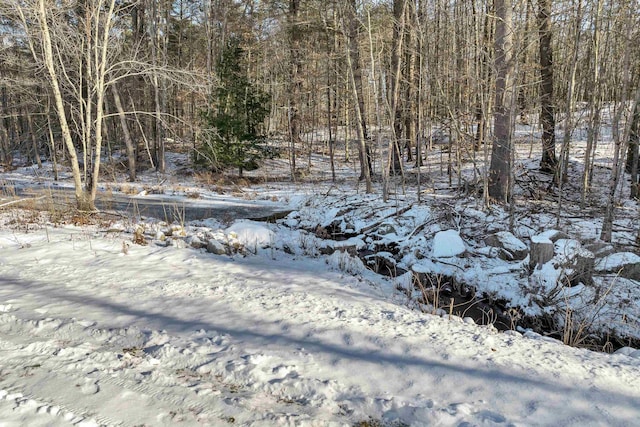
{"points": [[215, 247], [512, 248], [385, 229], [196, 243], [626, 264]]}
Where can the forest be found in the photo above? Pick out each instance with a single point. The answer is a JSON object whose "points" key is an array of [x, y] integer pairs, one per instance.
{"points": [[319, 212], [233, 82]]}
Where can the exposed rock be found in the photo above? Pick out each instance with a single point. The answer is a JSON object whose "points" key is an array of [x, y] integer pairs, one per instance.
{"points": [[196, 243], [600, 249], [447, 244], [512, 248], [542, 250], [215, 247], [626, 264], [385, 229], [384, 263]]}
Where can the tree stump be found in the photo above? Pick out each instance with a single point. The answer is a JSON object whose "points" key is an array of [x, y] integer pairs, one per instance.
{"points": [[541, 251]]}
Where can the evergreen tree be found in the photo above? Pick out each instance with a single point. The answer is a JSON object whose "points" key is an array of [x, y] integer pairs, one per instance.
{"points": [[238, 111]]}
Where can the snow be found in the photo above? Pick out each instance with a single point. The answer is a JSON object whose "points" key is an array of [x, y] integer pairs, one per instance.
{"points": [[288, 326], [447, 244], [541, 239], [91, 335]]}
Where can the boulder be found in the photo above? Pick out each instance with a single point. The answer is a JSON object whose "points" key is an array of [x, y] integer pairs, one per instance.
{"points": [[626, 264], [511, 248], [215, 247]]}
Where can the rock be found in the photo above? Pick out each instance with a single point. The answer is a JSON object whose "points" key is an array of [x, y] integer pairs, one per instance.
{"points": [[542, 250], [626, 264], [215, 247], [553, 235], [196, 243], [384, 263], [325, 250], [448, 244], [178, 243], [600, 249], [385, 229], [513, 249]]}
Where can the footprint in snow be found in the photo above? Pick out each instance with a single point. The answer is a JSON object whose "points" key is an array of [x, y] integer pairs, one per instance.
{"points": [[347, 339], [89, 387]]}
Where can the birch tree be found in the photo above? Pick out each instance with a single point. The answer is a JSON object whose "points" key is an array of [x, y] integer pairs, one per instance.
{"points": [[76, 65]]}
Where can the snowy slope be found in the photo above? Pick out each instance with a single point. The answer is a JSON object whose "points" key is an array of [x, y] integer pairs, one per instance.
{"points": [[95, 330]]}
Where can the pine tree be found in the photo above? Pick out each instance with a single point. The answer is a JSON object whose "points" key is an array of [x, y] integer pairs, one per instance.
{"points": [[239, 108]]}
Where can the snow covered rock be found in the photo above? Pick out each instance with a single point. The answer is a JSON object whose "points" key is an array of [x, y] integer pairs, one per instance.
{"points": [[627, 264], [448, 244], [553, 235], [251, 234], [629, 351], [511, 248], [215, 247]]}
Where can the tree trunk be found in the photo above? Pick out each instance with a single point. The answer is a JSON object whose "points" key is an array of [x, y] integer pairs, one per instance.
{"points": [[396, 75], [356, 75], [295, 81], [633, 162], [594, 100], [128, 142], [83, 199], [547, 115], [500, 169]]}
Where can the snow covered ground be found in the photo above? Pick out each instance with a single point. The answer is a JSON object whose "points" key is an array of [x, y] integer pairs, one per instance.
{"points": [[96, 330], [135, 322]]}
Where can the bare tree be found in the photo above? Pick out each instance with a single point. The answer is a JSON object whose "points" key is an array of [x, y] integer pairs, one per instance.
{"points": [[295, 80], [353, 58], [500, 169], [547, 114], [52, 43]]}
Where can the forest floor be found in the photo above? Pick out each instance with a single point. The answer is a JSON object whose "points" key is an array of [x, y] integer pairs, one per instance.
{"points": [[350, 310]]}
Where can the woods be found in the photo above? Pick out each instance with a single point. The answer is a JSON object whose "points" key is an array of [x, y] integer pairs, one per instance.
{"points": [[83, 83]]}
